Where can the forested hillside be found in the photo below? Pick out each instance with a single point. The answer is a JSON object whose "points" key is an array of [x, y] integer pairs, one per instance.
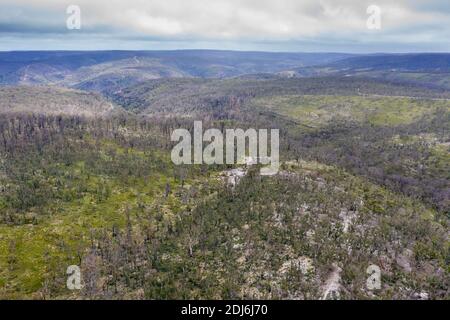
{"points": [[86, 179], [55, 101]]}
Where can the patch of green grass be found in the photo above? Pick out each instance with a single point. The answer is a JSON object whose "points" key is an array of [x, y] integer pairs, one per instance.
{"points": [[318, 111]]}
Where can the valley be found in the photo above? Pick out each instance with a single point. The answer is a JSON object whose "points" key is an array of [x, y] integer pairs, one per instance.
{"points": [[86, 176]]}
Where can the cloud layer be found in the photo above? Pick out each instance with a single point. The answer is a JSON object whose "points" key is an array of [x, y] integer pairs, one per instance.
{"points": [[280, 25]]}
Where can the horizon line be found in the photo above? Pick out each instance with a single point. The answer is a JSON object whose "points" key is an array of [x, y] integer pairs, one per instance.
{"points": [[229, 50]]}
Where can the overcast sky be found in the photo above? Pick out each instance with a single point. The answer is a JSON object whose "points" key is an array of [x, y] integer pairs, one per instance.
{"points": [[270, 25]]}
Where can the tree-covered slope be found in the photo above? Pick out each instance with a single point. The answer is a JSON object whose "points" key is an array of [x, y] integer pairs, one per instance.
{"points": [[54, 100]]}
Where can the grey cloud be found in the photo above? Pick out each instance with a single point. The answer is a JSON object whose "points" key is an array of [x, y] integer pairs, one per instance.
{"points": [[276, 24]]}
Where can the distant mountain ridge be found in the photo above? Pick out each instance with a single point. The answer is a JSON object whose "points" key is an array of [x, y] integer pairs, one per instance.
{"points": [[429, 62], [63, 67], [109, 72], [431, 70]]}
